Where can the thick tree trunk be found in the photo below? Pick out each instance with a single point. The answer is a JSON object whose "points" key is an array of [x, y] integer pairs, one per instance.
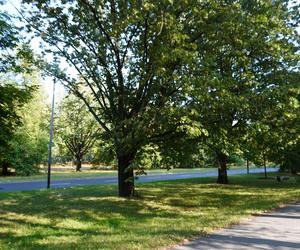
{"points": [[78, 165], [222, 169], [293, 171], [125, 175], [5, 168]]}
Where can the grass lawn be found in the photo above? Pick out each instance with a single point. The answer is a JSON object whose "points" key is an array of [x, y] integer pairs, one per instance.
{"points": [[58, 175], [165, 213]]}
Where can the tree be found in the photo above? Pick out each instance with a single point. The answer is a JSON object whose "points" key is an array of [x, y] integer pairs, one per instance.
{"points": [[275, 137], [130, 56], [244, 51], [259, 144], [28, 147], [77, 128], [25, 145], [289, 158], [12, 98], [13, 95]]}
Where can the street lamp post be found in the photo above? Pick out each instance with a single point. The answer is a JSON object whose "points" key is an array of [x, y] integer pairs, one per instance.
{"points": [[51, 137]]}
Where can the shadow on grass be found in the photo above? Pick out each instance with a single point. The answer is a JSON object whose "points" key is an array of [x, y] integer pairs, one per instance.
{"points": [[164, 213]]}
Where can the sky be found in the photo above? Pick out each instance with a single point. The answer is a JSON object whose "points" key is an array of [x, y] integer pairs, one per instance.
{"points": [[47, 82]]}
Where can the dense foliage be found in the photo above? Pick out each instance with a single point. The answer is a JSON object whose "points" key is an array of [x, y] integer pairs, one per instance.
{"points": [[24, 135], [12, 99], [14, 94], [176, 84]]}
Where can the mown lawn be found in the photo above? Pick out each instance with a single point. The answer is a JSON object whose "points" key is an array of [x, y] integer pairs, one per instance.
{"points": [[58, 175], [165, 213]]}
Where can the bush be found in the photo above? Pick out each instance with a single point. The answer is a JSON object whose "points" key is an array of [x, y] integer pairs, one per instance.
{"points": [[291, 160], [26, 154], [236, 160]]}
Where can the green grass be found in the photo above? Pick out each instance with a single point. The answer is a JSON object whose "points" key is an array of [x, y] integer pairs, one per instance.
{"points": [[58, 175], [165, 213]]}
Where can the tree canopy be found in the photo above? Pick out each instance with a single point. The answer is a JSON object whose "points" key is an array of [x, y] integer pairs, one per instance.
{"points": [[246, 64], [197, 72]]}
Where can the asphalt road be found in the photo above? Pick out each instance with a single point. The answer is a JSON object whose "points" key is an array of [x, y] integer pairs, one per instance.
{"points": [[277, 230], [40, 184]]}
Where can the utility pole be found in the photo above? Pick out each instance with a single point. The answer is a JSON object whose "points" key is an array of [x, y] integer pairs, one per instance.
{"points": [[51, 137]]}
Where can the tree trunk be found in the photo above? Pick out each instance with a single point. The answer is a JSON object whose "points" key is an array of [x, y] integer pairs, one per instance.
{"points": [[293, 171], [5, 168], [222, 169], [265, 166], [125, 175], [247, 166], [78, 165]]}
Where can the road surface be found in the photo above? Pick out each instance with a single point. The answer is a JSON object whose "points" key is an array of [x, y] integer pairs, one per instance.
{"points": [[71, 182], [276, 230]]}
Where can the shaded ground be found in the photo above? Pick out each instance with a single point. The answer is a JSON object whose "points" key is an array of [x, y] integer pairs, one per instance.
{"points": [[279, 229]]}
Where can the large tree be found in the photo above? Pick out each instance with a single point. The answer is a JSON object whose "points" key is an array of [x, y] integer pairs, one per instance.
{"points": [[245, 51], [12, 98], [28, 147], [13, 94], [130, 56], [275, 137]]}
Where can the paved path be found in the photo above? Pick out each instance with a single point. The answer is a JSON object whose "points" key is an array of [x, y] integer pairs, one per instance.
{"points": [[279, 229], [39, 184]]}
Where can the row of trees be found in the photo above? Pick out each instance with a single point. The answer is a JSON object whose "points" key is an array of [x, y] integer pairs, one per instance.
{"points": [[177, 77], [77, 136]]}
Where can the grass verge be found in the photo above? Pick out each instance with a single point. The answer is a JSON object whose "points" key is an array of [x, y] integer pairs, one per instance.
{"points": [[165, 213]]}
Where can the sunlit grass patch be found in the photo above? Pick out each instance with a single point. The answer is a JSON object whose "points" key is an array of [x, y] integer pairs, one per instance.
{"points": [[164, 213]]}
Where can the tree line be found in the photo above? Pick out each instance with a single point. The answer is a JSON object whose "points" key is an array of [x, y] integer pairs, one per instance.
{"points": [[177, 78]]}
